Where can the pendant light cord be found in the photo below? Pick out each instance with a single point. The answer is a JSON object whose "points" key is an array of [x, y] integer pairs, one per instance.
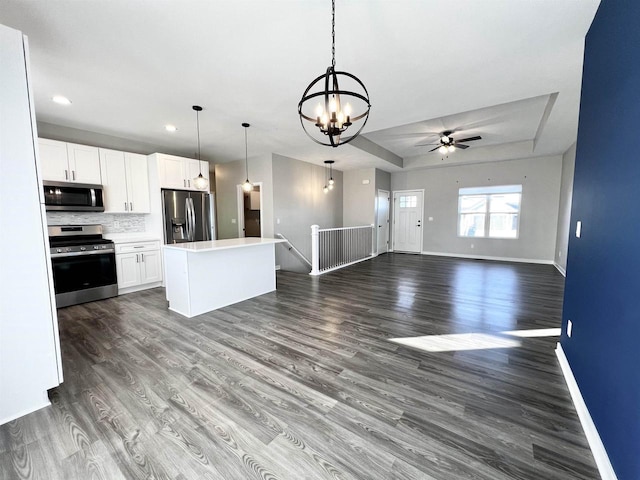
{"points": [[333, 33], [246, 154]]}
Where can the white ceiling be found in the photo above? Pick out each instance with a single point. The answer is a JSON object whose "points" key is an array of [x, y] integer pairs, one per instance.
{"points": [[132, 66]]}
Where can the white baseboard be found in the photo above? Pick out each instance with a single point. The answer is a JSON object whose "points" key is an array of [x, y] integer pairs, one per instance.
{"points": [[590, 430], [560, 269], [487, 257], [33, 408]]}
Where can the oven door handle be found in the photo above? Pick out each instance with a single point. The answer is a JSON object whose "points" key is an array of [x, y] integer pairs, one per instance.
{"points": [[78, 254]]}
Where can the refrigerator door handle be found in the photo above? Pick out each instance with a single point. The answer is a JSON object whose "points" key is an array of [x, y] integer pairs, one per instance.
{"points": [[187, 223], [193, 219]]}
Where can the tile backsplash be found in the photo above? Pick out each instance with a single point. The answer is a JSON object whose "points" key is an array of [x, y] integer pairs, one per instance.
{"points": [[111, 222]]}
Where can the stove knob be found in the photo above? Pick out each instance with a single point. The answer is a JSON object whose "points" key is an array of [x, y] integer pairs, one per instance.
{"points": [[82, 249], [68, 249], [95, 247], [59, 250]]}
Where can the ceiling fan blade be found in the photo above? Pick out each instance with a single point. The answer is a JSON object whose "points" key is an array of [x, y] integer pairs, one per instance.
{"points": [[433, 149], [457, 145], [470, 139], [425, 144]]}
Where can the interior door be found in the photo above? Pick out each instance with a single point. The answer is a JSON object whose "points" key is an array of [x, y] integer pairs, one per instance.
{"points": [[407, 221], [383, 221]]}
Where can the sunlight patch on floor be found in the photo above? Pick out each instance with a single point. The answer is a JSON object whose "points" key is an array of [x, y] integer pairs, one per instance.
{"points": [[473, 341]]}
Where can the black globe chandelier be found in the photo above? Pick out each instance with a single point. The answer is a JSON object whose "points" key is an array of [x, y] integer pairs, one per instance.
{"points": [[330, 108]]}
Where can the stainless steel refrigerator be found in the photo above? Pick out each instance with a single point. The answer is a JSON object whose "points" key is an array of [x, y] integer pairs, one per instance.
{"points": [[187, 216]]}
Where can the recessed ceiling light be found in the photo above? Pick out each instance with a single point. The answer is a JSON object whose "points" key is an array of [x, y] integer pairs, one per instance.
{"points": [[61, 100], [170, 128]]}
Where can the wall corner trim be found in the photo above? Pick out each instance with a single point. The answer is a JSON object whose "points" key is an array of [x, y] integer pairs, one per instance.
{"points": [[560, 269], [593, 437]]}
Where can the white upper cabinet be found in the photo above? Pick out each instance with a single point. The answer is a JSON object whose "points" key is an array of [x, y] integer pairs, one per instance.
{"points": [[125, 181], [137, 182], [69, 162], [178, 173], [84, 163], [53, 160]]}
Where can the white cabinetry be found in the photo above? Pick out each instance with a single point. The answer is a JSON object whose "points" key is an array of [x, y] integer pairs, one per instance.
{"points": [[69, 162], [138, 265], [126, 182], [177, 173]]}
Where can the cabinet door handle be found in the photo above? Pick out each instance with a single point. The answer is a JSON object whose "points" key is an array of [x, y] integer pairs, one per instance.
{"points": [[184, 182], [125, 207], [142, 254], [137, 258], [66, 175], [73, 174], [131, 206], [189, 182]]}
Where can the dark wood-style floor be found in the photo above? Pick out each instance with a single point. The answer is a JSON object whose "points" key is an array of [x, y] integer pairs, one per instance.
{"points": [[304, 383]]}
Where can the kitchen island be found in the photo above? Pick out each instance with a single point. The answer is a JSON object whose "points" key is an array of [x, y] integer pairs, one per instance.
{"points": [[204, 276]]}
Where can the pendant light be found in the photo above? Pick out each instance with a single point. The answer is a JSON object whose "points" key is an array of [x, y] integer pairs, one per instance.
{"points": [[199, 182], [247, 186], [333, 113], [325, 189], [331, 181]]}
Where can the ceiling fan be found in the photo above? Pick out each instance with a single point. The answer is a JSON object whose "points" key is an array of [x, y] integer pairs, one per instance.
{"points": [[448, 144]]}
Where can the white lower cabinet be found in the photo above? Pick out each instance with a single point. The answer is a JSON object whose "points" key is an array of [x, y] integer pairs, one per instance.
{"points": [[138, 265]]}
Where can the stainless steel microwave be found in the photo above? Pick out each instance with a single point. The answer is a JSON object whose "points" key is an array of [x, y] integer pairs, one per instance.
{"points": [[73, 197]]}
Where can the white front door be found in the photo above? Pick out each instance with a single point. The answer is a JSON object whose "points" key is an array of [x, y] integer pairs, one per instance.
{"points": [[407, 221], [383, 221]]}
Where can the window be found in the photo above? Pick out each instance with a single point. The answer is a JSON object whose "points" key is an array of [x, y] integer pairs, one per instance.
{"points": [[408, 201], [491, 212]]}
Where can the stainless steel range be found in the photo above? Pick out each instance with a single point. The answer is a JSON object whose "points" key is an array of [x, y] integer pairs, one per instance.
{"points": [[84, 264]]}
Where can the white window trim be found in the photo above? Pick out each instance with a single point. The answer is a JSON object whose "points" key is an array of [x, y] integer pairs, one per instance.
{"points": [[488, 192]]}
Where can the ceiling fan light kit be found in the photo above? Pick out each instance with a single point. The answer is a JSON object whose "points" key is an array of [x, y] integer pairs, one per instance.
{"points": [[448, 144], [334, 113]]}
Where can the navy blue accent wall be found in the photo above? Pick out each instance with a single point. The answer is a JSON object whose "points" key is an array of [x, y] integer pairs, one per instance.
{"points": [[602, 295]]}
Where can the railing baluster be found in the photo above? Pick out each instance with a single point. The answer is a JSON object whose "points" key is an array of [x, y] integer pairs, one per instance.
{"points": [[333, 248]]}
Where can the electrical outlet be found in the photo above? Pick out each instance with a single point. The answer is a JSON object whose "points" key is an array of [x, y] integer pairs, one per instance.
{"points": [[578, 228], [431, 219], [233, 220], [559, 253], [569, 328], [278, 221], [116, 224], [472, 245]]}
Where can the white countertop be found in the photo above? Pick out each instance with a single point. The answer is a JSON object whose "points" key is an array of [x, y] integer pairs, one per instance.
{"points": [[209, 246], [131, 237]]}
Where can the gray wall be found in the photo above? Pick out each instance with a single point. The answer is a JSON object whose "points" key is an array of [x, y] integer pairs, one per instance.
{"points": [[540, 180], [299, 202], [227, 177], [359, 199], [85, 137], [383, 180], [564, 212]]}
